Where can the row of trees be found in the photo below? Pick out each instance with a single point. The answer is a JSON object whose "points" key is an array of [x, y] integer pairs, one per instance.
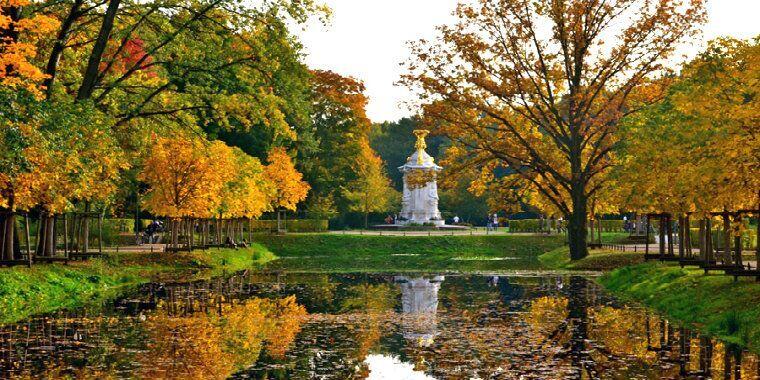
{"points": [[186, 109], [576, 108]]}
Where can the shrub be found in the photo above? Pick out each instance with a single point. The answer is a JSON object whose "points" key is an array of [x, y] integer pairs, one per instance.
{"points": [[292, 225]]}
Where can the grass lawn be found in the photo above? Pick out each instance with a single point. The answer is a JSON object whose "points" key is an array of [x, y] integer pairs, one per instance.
{"points": [[47, 287], [714, 303], [596, 260], [351, 253]]}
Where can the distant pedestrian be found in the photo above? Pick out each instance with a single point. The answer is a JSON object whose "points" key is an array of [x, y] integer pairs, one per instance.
{"points": [[495, 221]]}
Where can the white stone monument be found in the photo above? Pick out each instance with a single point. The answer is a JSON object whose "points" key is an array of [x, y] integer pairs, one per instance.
{"points": [[419, 204]]}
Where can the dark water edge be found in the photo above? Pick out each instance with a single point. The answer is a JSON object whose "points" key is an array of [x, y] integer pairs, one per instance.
{"points": [[348, 326]]}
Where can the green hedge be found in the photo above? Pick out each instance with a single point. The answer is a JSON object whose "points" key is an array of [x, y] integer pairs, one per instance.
{"points": [[534, 225], [525, 225], [292, 225]]}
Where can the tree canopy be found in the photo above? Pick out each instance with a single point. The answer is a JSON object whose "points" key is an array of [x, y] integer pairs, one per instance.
{"points": [[538, 87]]}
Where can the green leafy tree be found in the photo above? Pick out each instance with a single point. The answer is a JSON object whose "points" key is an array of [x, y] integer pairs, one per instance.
{"points": [[371, 191]]}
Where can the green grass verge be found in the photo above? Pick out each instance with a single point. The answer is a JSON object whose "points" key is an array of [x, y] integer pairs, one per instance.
{"points": [[714, 303], [599, 260], [352, 253], [45, 288]]}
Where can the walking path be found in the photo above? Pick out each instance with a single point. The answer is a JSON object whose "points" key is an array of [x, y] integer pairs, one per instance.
{"points": [[481, 231]]}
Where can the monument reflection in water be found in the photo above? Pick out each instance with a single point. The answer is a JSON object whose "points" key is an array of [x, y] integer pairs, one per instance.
{"points": [[419, 304]]}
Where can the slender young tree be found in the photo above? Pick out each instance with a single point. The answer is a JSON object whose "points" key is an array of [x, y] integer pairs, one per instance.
{"points": [[537, 87]]}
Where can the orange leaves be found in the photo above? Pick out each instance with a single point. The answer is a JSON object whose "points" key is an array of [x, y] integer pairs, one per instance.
{"points": [[19, 45], [262, 323], [345, 94], [191, 177], [186, 176], [287, 181]]}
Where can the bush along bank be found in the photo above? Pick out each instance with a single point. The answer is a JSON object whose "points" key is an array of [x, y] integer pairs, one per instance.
{"points": [[45, 288], [714, 304]]}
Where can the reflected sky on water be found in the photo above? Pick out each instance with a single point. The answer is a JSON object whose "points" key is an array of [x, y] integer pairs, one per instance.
{"points": [[320, 326]]}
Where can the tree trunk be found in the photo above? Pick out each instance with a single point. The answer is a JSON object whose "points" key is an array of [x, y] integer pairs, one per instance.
{"points": [[726, 239], [708, 240], [10, 248], [681, 237], [60, 44], [687, 235], [702, 240], [137, 211], [576, 229], [86, 229], [661, 231], [46, 234], [89, 81], [670, 235]]}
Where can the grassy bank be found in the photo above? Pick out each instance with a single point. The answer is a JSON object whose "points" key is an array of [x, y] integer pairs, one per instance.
{"points": [[599, 260], [714, 304], [351, 253], [43, 288]]}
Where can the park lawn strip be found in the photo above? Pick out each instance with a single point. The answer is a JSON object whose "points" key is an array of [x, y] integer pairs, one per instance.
{"points": [[357, 253], [715, 304], [45, 288], [597, 260]]}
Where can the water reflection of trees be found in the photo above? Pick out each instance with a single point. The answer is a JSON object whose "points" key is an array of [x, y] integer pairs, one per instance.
{"points": [[609, 341], [486, 327], [203, 330]]}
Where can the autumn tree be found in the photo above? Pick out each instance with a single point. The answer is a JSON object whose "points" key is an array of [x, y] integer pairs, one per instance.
{"points": [[246, 195], [289, 188], [339, 127], [53, 155], [186, 177], [538, 87], [19, 37], [371, 191], [697, 150]]}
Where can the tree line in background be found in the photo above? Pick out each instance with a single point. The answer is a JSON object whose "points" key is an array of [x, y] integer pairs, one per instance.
{"points": [[184, 109]]}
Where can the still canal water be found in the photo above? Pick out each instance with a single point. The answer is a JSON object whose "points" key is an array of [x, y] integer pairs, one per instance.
{"points": [[312, 326]]}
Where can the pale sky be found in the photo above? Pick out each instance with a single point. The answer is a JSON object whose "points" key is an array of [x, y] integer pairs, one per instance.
{"points": [[366, 39]]}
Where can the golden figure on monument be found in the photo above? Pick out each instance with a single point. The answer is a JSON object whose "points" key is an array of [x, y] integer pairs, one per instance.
{"points": [[420, 145]]}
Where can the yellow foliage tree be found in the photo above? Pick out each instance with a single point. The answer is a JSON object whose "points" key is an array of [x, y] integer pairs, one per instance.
{"points": [[538, 88], [371, 191], [248, 193], [186, 176], [697, 151], [286, 180]]}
